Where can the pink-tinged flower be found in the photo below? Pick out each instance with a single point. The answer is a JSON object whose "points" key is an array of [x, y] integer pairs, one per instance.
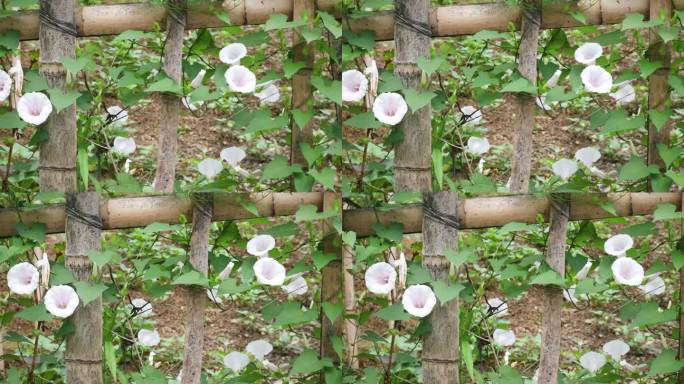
{"points": [[478, 145], [402, 269], [553, 80], [34, 108], [564, 168], [232, 53], [418, 300], [117, 115], [297, 286], [592, 361], [61, 300], [124, 146], [587, 156], [148, 338], [380, 278], [236, 361], [210, 168], [616, 349], [625, 93], [42, 263], [225, 273], [627, 271], [354, 85], [618, 245], [197, 81], [596, 79], [588, 53], [389, 108], [655, 285], [504, 338], [372, 72], [5, 85], [233, 156], [269, 94], [269, 272], [471, 114], [23, 278], [259, 348], [582, 274], [260, 245], [240, 79]]}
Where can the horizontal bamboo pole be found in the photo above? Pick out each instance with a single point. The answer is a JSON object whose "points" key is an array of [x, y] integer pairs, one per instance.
{"points": [[455, 20], [112, 19]]}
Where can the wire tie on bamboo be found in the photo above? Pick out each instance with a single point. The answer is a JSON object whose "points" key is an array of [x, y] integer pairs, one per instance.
{"points": [[199, 200], [47, 20], [402, 19], [177, 12], [72, 212], [433, 214], [556, 198]]}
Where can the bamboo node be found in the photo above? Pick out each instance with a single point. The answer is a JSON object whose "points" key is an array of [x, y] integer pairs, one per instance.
{"points": [[82, 361], [435, 360]]}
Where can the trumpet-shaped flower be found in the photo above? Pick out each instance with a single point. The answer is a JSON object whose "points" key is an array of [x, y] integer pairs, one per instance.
{"points": [[23, 278], [240, 79], [380, 278], [496, 307], [123, 146], [596, 79], [260, 245], [618, 245], [354, 85], [389, 108], [34, 108], [587, 156], [627, 271], [236, 361], [372, 72], [232, 53], [141, 307], [564, 168], [592, 361], [233, 156], [418, 300], [624, 94], [259, 348], [197, 80], [269, 272], [587, 53], [616, 349], [117, 115], [402, 269], [655, 285], [5, 85], [269, 94], [42, 263], [504, 338], [148, 338], [477, 145], [569, 294], [553, 80], [582, 273], [541, 102], [297, 286], [471, 114], [210, 168], [225, 273], [61, 300]]}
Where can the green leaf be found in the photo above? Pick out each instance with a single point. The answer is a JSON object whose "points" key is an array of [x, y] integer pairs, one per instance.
{"points": [[636, 21], [446, 292], [669, 155], [88, 292], [83, 171], [349, 238], [10, 39], [229, 286], [74, 66], [331, 24], [667, 212], [677, 259], [521, 85], [549, 277], [291, 313], [280, 230], [279, 21], [364, 120], [191, 278], [642, 229], [160, 227], [132, 35], [312, 34], [333, 310], [665, 363], [619, 121], [393, 312], [35, 313], [332, 89], [460, 257], [309, 212], [11, 120], [487, 35], [302, 117], [35, 232], [321, 259], [677, 177], [278, 168], [393, 232], [659, 118], [430, 66], [61, 100], [648, 67], [514, 226], [291, 67], [165, 85], [417, 100], [101, 258], [668, 34], [326, 177], [635, 169], [262, 121], [677, 83], [306, 363]]}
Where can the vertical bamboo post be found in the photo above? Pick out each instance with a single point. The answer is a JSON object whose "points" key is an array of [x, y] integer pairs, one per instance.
{"points": [[170, 103], [412, 159], [553, 296], [332, 279], [57, 169], [301, 82], [658, 89], [83, 353], [440, 356], [681, 300], [350, 325], [525, 104], [196, 296]]}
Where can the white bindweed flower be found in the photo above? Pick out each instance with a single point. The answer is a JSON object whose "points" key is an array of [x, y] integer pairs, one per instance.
{"points": [[259, 348], [504, 338], [380, 278], [389, 108], [553, 80], [197, 81], [34, 108], [592, 361], [61, 300], [269, 272], [616, 349], [240, 79], [17, 72], [260, 245], [233, 156], [123, 146], [625, 93], [582, 273], [496, 306], [402, 269], [618, 245], [297, 286], [5, 85], [627, 271], [372, 72], [190, 106], [587, 156], [541, 102], [655, 285], [236, 361], [418, 300], [232, 53], [569, 294], [117, 115], [214, 296], [42, 263], [564, 168], [596, 79], [210, 168], [477, 145], [354, 85], [471, 114], [148, 338], [23, 278], [269, 94], [142, 307], [588, 53], [225, 273]]}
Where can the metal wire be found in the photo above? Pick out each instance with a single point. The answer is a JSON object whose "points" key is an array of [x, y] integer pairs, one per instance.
{"points": [[401, 18], [72, 212], [46, 19], [443, 218]]}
